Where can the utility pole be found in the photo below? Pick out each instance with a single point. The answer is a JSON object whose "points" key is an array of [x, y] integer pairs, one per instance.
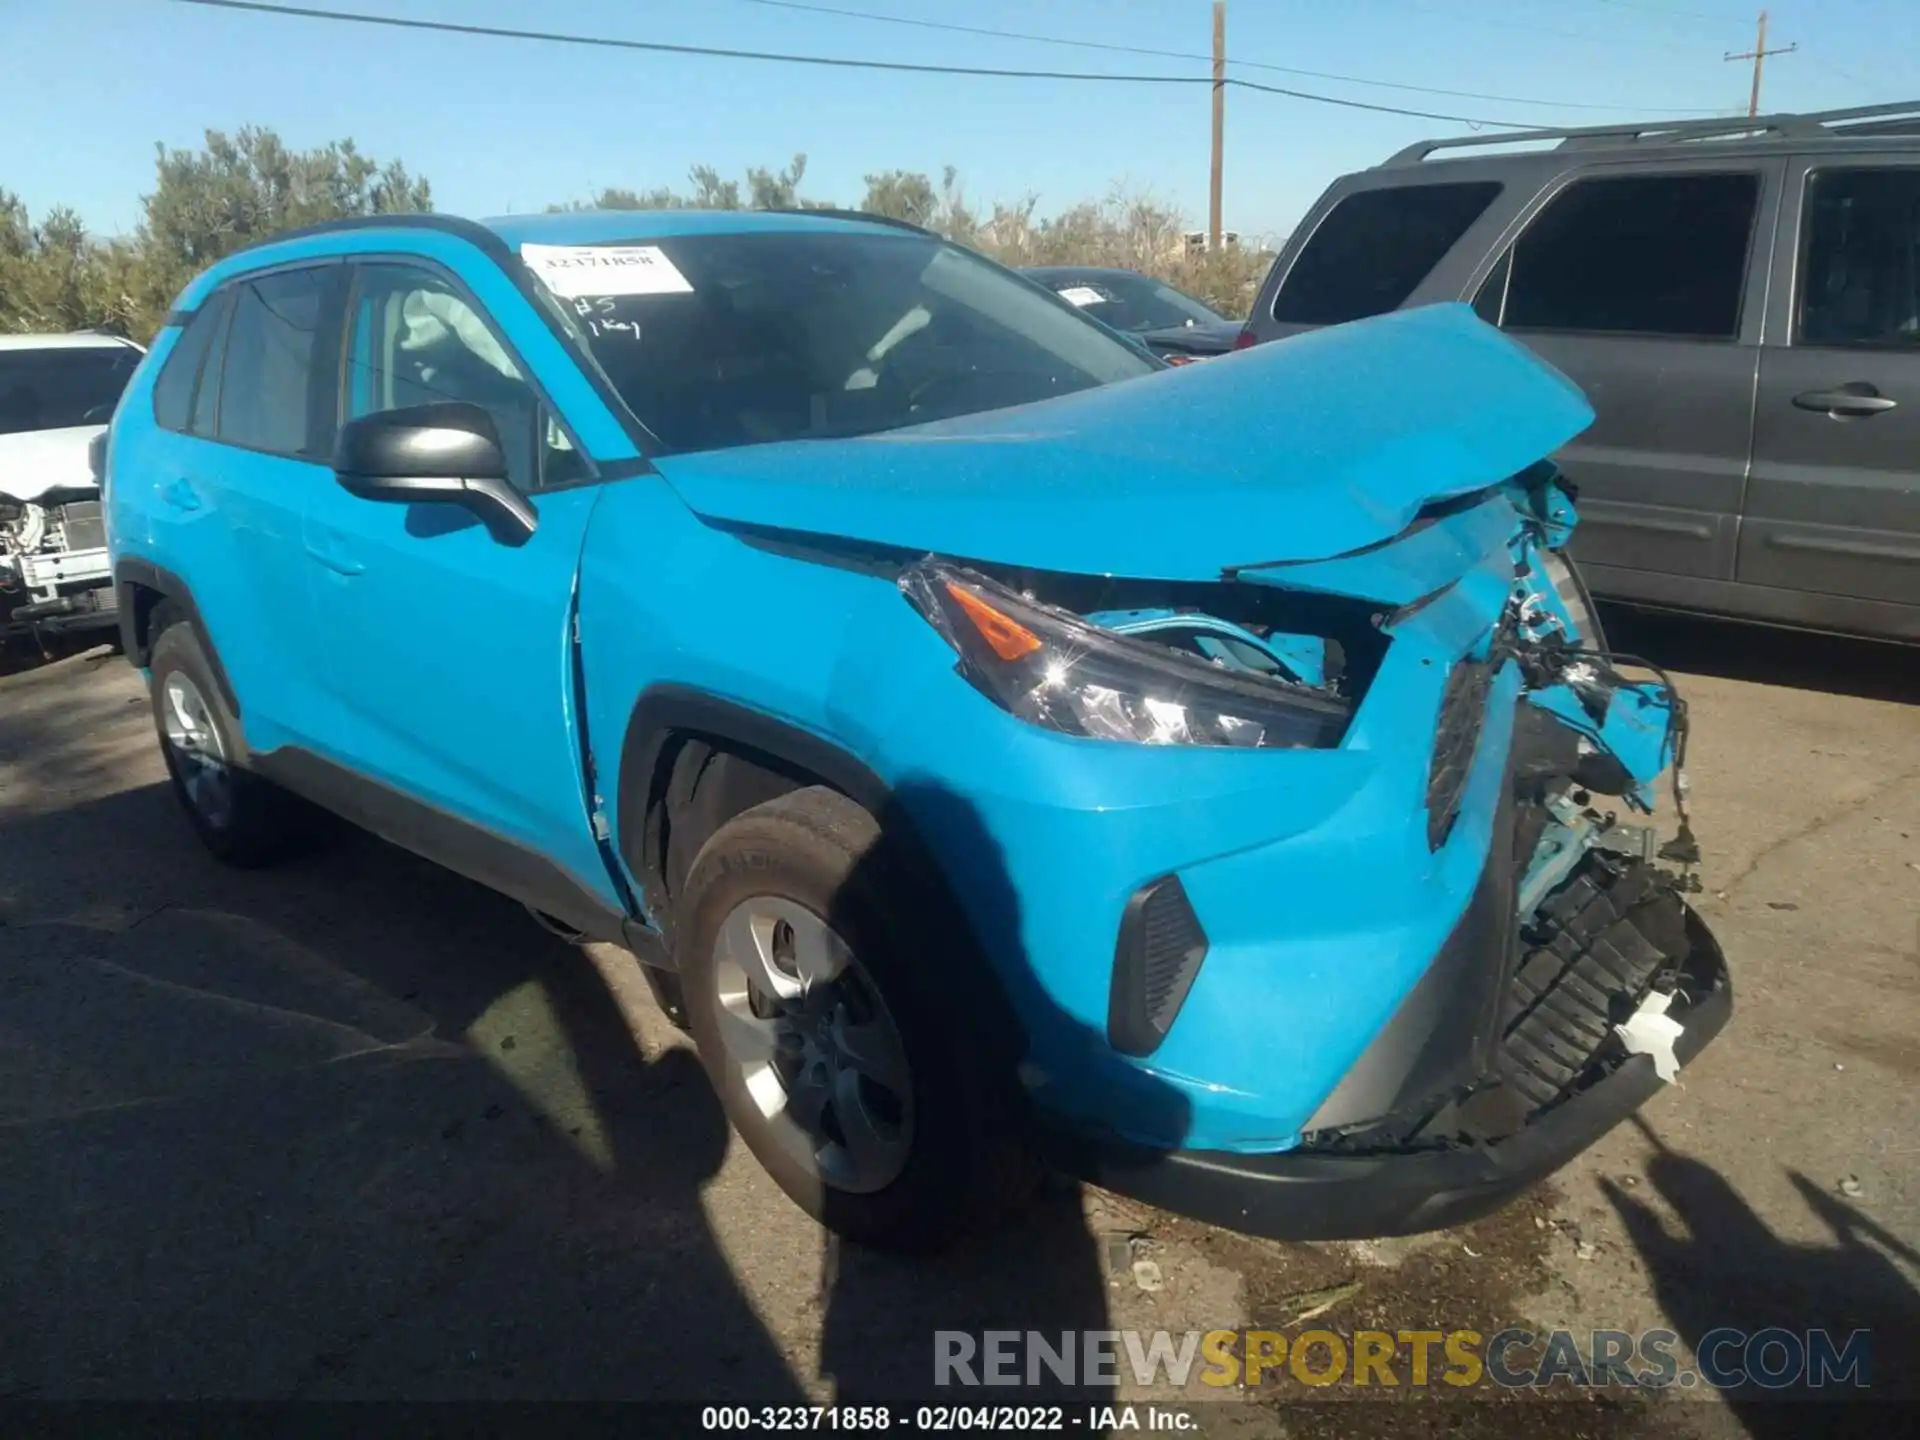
{"points": [[1759, 55], [1219, 120]]}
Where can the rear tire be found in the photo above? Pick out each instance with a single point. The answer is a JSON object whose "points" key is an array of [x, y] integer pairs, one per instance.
{"points": [[933, 1141], [244, 820]]}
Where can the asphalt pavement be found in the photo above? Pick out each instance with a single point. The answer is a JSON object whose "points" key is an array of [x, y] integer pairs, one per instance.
{"points": [[357, 1128]]}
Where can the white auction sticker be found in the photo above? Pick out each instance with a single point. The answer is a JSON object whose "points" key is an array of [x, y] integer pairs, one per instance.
{"points": [[1082, 295], [572, 271]]}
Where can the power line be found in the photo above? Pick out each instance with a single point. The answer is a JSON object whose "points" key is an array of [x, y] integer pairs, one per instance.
{"points": [[498, 32], [1672, 13], [1112, 48]]}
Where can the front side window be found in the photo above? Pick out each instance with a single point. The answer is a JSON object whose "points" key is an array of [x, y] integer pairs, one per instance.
{"points": [[794, 336], [64, 387], [267, 380], [415, 340], [1860, 259], [1658, 255], [1374, 248]]}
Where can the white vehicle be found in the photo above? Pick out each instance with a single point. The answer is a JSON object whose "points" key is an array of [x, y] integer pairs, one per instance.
{"points": [[57, 393]]}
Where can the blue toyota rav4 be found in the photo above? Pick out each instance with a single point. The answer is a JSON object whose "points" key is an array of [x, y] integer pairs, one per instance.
{"points": [[997, 748]]}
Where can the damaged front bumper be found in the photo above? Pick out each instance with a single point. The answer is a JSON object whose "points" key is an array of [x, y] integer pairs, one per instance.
{"points": [[1501, 1066], [1316, 1195], [54, 567], [1340, 953]]}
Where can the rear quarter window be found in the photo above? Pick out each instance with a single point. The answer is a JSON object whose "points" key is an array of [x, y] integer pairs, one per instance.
{"points": [[1374, 247]]}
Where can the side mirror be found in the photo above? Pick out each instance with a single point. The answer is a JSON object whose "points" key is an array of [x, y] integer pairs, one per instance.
{"points": [[447, 454]]}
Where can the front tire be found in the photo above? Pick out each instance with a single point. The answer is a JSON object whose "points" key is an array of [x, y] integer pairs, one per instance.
{"points": [[243, 819], [827, 1000]]}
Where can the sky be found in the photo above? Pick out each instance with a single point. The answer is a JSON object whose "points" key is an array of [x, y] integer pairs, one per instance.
{"points": [[501, 125]]}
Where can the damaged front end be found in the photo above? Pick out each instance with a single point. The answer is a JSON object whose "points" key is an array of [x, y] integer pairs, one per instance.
{"points": [[54, 571], [1576, 981]]}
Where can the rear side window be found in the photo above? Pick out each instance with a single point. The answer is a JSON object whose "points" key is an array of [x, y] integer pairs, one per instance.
{"points": [[1374, 247], [267, 386], [54, 389], [173, 392], [1635, 255], [1860, 259]]}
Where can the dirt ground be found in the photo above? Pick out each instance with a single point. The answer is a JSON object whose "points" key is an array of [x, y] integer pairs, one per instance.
{"points": [[357, 1128]]}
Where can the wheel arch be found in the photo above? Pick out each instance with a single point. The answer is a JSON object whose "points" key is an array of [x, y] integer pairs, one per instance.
{"points": [[676, 735], [673, 737], [139, 588]]}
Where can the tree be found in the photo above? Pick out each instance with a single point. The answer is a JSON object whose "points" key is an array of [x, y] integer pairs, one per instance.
{"points": [[54, 276], [902, 195], [248, 186]]}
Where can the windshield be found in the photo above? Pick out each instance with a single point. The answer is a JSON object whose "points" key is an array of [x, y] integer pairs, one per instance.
{"points": [[1133, 303], [746, 339], [62, 387]]}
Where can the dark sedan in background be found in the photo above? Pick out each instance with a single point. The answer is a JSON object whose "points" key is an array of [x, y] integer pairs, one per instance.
{"points": [[1173, 325]]}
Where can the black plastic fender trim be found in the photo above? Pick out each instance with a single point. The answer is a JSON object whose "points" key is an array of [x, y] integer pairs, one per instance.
{"points": [[666, 713], [129, 573]]}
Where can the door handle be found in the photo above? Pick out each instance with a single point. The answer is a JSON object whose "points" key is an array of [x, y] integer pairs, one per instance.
{"points": [[1856, 397], [181, 495]]}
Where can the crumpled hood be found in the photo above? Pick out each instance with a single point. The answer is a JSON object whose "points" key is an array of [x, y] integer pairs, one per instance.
{"points": [[1300, 449], [36, 461]]}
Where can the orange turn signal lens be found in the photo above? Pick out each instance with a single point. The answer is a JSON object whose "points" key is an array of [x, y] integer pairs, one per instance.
{"points": [[1005, 636]]}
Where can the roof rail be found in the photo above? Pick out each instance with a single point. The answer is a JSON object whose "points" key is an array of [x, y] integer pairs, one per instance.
{"points": [[1900, 117]]}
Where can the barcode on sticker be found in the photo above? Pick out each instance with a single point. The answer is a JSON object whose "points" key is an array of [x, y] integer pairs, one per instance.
{"points": [[572, 271]]}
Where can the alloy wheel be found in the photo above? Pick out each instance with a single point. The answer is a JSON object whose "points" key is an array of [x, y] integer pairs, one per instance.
{"points": [[200, 755], [819, 1053]]}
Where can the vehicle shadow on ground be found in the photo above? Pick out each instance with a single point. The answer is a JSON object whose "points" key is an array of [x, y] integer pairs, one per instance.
{"points": [[1762, 655], [1052, 1276], [356, 1127], [1727, 1277]]}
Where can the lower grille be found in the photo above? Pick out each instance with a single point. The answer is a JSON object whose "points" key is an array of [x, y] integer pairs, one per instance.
{"points": [[1604, 938], [1463, 710]]}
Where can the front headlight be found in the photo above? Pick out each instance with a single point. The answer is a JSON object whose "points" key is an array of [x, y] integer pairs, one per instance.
{"points": [[1050, 667]]}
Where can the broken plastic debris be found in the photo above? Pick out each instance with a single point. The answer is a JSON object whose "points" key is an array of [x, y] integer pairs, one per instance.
{"points": [[1850, 1186], [1651, 1031], [1312, 1304], [1585, 1250], [1146, 1274]]}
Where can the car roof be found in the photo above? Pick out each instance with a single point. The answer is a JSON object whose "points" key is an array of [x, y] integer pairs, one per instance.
{"points": [[73, 340], [1894, 125], [499, 236], [601, 227]]}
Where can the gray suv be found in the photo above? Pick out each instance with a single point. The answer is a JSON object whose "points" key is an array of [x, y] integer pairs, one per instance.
{"points": [[1740, 299]]}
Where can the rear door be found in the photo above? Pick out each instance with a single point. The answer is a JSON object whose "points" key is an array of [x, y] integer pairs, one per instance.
{"points": [[244, 443], [1640, 286], [1834, 504]]}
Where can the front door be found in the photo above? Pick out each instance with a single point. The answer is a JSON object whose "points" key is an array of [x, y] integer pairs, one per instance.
{"points": [[1834, 504], [449, 653], [1639, 286]]}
